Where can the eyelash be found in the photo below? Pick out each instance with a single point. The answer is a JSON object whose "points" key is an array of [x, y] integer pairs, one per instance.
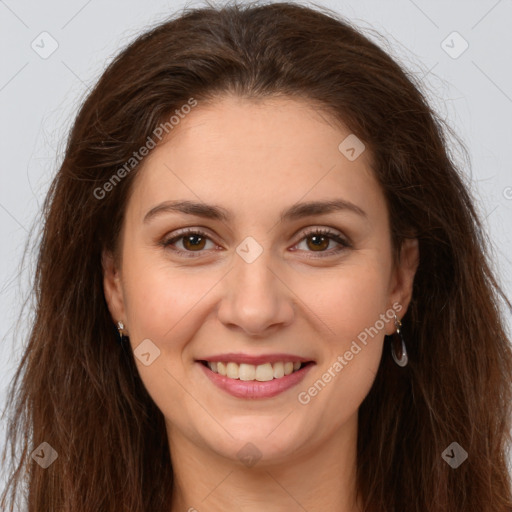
{"points": [[323, 232]]}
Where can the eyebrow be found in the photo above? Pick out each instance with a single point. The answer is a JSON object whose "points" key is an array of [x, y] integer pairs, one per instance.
{"points": [[295, 212]]}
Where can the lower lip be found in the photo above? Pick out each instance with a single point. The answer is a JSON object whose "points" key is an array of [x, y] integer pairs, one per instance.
{"points": [[254, 389]]}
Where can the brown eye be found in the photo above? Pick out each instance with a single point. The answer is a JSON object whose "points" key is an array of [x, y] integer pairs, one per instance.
{"points": [[194, 242], [318, 242]]}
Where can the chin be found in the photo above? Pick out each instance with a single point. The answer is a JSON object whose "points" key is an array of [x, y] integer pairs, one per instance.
{"points": [[268, 439]]}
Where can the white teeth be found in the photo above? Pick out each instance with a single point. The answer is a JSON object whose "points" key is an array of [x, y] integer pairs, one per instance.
{"points": [[278, 370], [232, 370], [246, 371], [221, 368], [262, 372]]}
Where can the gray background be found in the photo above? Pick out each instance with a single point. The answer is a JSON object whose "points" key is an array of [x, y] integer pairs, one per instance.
{"points": [[39, 98]]}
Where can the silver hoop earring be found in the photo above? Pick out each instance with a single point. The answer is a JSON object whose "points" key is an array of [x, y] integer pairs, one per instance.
{"points": [[398, 350]]}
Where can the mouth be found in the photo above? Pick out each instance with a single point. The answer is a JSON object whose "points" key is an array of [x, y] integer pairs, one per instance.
{"points": [[249, 372], [250, 381]]}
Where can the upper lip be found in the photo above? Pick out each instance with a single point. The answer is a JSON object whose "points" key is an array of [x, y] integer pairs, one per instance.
{"points": [[255, 360]]}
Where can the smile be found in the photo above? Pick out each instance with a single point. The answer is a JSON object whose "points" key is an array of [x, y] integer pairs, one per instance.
{"points": [[247, 372], [255, 381]]}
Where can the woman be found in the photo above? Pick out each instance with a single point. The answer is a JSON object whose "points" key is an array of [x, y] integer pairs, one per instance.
{"points": [[262, 285]]}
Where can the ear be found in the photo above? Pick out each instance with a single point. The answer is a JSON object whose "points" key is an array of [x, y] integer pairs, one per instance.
{"points": [[112, 287], [403, 278]]}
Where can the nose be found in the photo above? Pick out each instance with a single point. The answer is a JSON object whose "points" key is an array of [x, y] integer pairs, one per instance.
{"points": [[255, 298]]}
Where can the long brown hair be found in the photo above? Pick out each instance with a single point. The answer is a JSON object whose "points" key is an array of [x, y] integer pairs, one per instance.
{"points": [[78, 390]]}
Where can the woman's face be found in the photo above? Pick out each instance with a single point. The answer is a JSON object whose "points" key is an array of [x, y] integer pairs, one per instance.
{"points": [[258, 280]]}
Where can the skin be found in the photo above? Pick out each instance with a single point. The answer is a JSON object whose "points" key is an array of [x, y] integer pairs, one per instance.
{"points": [[256, 159]]}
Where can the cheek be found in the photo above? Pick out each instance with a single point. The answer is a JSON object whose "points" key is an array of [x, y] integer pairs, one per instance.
{"points": [[164, 302], [348, 299], [351, 306]]}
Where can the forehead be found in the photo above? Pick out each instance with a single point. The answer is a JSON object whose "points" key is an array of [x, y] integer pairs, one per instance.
{"points": [[255, 157]]}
